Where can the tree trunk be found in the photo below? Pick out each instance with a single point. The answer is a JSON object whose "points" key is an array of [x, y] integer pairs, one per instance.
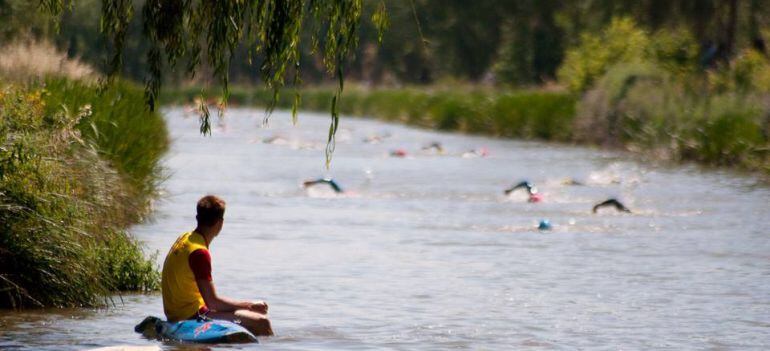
{"points": [[732, 21]]}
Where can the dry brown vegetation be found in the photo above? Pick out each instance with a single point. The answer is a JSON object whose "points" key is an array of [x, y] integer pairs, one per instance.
{"points": [[23, 60]]}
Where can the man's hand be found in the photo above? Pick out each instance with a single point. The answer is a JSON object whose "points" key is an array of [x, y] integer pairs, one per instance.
{"points": [[259, 306]]}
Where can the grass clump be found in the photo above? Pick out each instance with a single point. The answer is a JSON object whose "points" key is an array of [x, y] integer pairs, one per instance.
{"points": [[120, 128], [71, 180]]}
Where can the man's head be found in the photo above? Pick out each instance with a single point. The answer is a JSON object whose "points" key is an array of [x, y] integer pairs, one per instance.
{"points": [[211, 212]]}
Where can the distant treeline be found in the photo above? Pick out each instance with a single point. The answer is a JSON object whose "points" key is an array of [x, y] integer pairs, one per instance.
{"points": [[514, 42]]}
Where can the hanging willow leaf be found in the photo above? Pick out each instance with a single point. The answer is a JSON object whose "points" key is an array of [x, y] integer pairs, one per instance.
{"points": [[204, 114], [192, 32], [295, 106], [330, 143], [116, 16], [380, 20]]}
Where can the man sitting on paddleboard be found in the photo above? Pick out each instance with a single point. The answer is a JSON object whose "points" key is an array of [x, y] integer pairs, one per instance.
{"points": [[188, 290]]}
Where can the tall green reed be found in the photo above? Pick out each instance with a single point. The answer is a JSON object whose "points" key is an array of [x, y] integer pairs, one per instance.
{"points": [[68, 187]]}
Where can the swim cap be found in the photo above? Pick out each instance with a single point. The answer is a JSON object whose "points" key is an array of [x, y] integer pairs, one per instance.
{"points": [[544, 225], [535, 197], [398, 153]]}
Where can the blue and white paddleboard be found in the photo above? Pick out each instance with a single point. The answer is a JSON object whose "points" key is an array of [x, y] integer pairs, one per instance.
{"points": [[194, 330]]}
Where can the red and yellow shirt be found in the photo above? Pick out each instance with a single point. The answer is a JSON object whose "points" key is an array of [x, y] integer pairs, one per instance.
{"points": [[187, 261]]}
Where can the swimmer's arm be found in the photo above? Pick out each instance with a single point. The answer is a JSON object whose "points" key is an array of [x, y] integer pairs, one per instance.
{"points": [[612, 202], [335, 186], [604, 203], [517, 186], [310, 182], [618, 205]]}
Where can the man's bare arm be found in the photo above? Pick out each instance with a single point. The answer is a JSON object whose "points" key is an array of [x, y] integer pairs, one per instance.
{"points": [[223, 304]]}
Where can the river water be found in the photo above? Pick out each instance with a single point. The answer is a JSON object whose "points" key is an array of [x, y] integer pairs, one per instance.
{"points": [[425, 252]]}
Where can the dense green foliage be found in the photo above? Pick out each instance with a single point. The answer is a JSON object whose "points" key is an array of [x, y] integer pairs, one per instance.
{"points": [[645, 92], [518, 42], [70, 181], [622, 42], [129, 137]]}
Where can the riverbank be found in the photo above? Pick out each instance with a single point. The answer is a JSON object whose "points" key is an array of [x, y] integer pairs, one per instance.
{"points": [[725, 130], [78, 164]]}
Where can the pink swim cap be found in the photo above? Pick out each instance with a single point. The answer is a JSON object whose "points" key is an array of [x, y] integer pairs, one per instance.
{"points": [[398, 153], [535, 198]]}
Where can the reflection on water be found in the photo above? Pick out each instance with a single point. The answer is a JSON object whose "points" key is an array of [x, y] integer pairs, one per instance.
{"points": [[425, 252]]}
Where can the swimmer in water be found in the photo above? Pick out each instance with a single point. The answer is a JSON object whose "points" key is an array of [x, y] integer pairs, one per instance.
{"points": [[398, 153], [524, 184], [571, 181], [531, 190], [612, 202], [434, 146], [480, 152], [337, 189], [377, 138], [275, 139], [374, 139]]}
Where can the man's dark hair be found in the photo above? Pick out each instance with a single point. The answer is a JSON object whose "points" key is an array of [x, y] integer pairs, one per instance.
{"points": [[210, 209]]}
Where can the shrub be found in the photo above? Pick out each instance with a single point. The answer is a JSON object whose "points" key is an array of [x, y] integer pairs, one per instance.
{"points": [[749, 72], [621, 41], [606, 110], [641, 107], [729, 133], [63, 206], [675, 51]]}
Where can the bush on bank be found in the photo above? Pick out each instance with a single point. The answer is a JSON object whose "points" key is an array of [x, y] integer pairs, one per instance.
{"points": [[76, 166], [663, 101]]}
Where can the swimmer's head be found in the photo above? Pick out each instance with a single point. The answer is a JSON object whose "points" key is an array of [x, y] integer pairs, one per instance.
{"points": [[544, 225], [535, 197], [398, 153]]}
